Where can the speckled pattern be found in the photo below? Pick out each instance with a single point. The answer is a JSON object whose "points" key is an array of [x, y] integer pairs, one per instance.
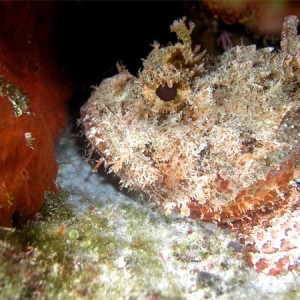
{"points": [[215, 138]]}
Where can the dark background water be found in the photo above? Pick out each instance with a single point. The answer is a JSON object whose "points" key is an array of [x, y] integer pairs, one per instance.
{"points": [[90, 37]]}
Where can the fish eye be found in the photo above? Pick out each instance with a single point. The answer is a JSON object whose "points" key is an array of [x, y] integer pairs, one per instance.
{"points": [[166, 93]]}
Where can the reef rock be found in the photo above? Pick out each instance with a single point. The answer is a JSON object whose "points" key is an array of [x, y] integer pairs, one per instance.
{"points": [[262, 17], [216, 138], [33, 94]]}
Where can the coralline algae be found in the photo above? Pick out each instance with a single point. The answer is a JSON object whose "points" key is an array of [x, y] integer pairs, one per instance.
{"points": [[215, 138]]}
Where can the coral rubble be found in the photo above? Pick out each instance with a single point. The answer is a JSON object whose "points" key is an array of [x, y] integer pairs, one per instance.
{"points": [[216, 138], [33, 93]]}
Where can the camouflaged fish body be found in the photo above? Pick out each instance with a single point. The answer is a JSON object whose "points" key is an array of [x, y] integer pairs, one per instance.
{"points": [[216, 138]]}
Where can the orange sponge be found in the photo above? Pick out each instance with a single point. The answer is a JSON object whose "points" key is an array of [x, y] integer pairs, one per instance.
{"points": [[33, 95]]}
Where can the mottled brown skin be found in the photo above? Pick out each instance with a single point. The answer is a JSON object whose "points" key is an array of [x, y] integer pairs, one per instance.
{"points": [[258, 195], [223, 147]]}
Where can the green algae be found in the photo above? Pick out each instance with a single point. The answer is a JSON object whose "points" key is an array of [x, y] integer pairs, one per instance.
{"points": [[18, 100], [122, 250], [44, 261]]}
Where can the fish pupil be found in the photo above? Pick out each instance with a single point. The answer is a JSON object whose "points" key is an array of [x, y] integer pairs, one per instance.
{"points": [[166, 93]]}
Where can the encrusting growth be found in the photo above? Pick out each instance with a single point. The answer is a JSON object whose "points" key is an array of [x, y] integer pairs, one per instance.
{"points": [[215, 138]]}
